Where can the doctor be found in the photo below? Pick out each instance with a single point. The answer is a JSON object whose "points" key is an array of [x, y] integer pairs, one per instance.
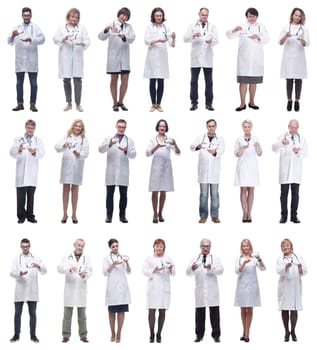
{"points": [[203, 37], [120, 149], [252, 36], [120, 35], [72, 39], [25, 270], [292, 148], [205, 267], [211, 148], [26, 37], [77, 268], [27, 150]]}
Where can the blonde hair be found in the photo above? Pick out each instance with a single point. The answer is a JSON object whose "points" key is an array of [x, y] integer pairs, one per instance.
{"points": [[247, 241], [247, 121], [74, 11], [71, 129], [286, 240]]}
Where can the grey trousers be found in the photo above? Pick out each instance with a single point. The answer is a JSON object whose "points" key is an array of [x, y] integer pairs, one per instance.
{"points": [[77, 89], [67, 322]]}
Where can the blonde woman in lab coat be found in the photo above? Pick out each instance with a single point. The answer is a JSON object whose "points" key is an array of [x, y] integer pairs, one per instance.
{"points": [[75, 149], [72, 39], [291, 268], [158, 268], [115, 268], [295, 37], [250, 68]]}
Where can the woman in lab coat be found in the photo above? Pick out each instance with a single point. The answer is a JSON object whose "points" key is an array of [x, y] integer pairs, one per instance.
{"points": [[72, 39], [295, 37], [75, 149], [291, 268], [161, 177], [158, 268], [247, 290], [250, 68], [247, 148], [157, 34], [120, 35], [115, 267]]}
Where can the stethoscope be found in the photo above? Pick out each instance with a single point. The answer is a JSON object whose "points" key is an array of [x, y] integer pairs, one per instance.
{"points": [[167, 141], [30, 260], [116, 257], [200, 258], [290, 259], [74, 31], [123, 138], [73, 145], [23, 28], [252, 258], [213, 143], [71, 257], [119, 25], [28, 140], [163, 27], [199, 25], [288, 136], [300, 30]]}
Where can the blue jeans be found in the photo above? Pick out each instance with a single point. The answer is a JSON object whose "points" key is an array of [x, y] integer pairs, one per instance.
{"points": [[18, 306], [33, 84], [214, 200]]}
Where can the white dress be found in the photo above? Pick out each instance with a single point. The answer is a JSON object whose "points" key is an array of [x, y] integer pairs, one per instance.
{"points": [[293, 64], [161, 176], [290, 283], [247, 290], [247, 171], [72, 167], [159, 286]]}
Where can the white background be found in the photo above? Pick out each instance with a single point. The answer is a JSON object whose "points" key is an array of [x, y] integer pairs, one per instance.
{"points": [[51, 240]]}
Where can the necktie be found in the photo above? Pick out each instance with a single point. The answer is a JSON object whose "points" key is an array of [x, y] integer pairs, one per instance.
{"points": [[204, 258], [203, 24]]}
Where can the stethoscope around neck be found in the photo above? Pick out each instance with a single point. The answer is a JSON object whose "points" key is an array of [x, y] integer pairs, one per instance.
{"points": [[300, 30], [74, 31], [200, 258], [290, 259], [199, 25], [213, 142], [292, 137], [71, 257], [29, 256]]}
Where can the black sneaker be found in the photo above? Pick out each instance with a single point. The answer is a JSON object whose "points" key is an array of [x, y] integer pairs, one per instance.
{"points": [[35, 339], [19, 107], [33, 108]]}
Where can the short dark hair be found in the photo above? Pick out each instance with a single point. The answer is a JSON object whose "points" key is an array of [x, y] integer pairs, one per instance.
{"points": [[252, 11], [111, 241], [124, 11], [25, 240], [211, 120], [30, 122], [121, 121], [26, 9], [159, 241], [158, 123], [157, 9]]}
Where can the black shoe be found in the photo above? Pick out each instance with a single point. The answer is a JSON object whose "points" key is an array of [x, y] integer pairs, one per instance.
{"points": [[210, 107], [32, 220], [152, 338], [283, 220], [124, 220], [239, 109], [35, 339], [115, 108], [197, 340], [64, 220], [295, 220], [33, 108], [296, 106], [14, 339], [246, 340], [286, 338], [193, 107], [217, 339], [108, 220], [122, 106], [242, 338], [155, 221], [289, 105], [19, 107], [294, 338], [75, 221], [253, 106], [158, 338], [21, 221]]}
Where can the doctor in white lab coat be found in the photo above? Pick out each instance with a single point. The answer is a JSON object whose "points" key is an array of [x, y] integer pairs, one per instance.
{"points": [[25, 270], [77, 268], [115, 268], [26, 37], [295, 37], [250, 67], [291, 268], [120, 35], [203, 37], [120, 149], [292, 148], [72, 39], [75, 149], [27, 149], [211, 148], [206, 267]]}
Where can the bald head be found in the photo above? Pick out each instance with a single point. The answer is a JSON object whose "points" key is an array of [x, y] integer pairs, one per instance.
{"points": [[293, 126]]}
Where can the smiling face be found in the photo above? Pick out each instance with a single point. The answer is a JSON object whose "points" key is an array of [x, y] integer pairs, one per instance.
{"points": [[78, 128], [287, 247], [297, 17], [26, 16], [159, 249], [114, 248], [79, 246], [246, 248], [121, 126], [158, 17], [29, 130], [293, 127], [162, 128], [203, 15], [247, 127], [251, 18], [205, 247], [211, 128], [25, 248], [73, 18]]}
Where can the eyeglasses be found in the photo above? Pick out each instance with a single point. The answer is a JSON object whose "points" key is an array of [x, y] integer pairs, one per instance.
{"points": [[25, 246], [205, 246], [121, 127], [115, 246]]}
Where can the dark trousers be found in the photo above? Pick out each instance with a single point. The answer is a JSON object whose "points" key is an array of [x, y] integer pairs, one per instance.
{"points": [[208, 85], [298, 88], [294, 200], [33, 84], [156, 92], [18, 306], [122, 202], [25, 194], [200, 317]]}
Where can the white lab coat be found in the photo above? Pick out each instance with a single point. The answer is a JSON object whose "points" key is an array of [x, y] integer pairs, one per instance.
{"points": [[250, 53], [209, 165], [73, 167], [247, 290], [26, 53], [117, 291], [75, 291], [156, 62], [158, 293], [26, 287], [290, 283], [117, 169], [206, 284], [71, 56], [247, 171], [291, 164], [118, 50], [294, 61], [26, 163], [201, 52], [161, 176]]}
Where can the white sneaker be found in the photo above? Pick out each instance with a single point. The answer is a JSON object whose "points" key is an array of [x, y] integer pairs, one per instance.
{"points": [[152, 109], [79, 108], [68, 107]]}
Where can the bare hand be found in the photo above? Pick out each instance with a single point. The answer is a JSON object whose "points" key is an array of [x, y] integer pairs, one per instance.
{"points": [[121, 35], [287, 266], [77, 154], [208, 266], [300, 268], [73, 269], [117, 263], [26, 40], [285, 141], [237, 29], [15, 33], [82, 274], [67, 144], [20, 149], [195, 266], [32, 150], [35, 265], [173, 35], [197, 35], [157, 269], [22, 273], [296, 150], [247, 259], [302, 41], [211, 151], [254, 36], [208, 41], [113, 28], [81, 44], [124, 149]]}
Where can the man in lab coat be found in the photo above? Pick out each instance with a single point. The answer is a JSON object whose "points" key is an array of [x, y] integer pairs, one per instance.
{"points": [[211, 148], [205, 267], [25, 270], [120, 149], [27, 150], [203, 37], [77, 268], [292, 148], [26, 37]]}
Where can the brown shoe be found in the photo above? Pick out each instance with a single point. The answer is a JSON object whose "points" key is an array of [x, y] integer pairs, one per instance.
{"points": [[84, 339], [33, 108], [202, 220], [215, 220], [19, 107], [65, 340]]}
